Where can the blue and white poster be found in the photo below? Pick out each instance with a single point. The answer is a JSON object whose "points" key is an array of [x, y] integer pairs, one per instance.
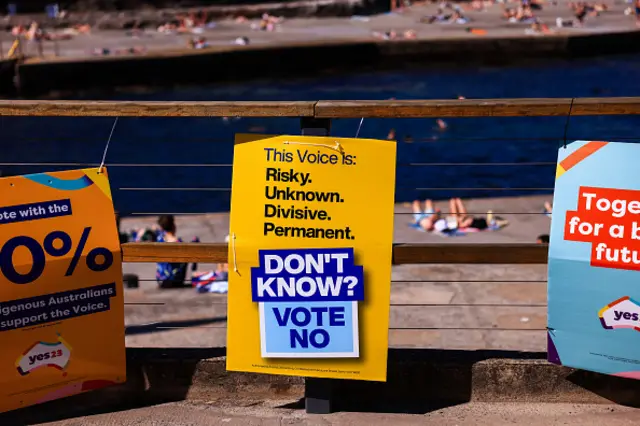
{"points": [[594, 259], [308, 303]]}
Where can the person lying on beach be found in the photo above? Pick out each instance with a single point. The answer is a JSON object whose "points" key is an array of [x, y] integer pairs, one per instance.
{"points": [[387, 35], [538, 27], [167, 28], [427, 218], [57, 36], [521, 14], [478, 5], [593, 9], [600, 8], [455, 18], [440, 17], [457, 222], [82, 28], [105, 51], [410, 35], [101, 51], [198, 43], [392, 35], [267, 23], [508, 13], [242, 41], [459, 219]]}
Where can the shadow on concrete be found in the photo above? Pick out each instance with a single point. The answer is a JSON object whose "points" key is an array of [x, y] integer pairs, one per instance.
{"points": [[132, 330], [418, 381], [154, 376], [618, 390]]}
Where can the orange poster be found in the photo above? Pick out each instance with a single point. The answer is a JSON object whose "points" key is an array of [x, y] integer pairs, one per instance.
{"points": [[61, 301]]}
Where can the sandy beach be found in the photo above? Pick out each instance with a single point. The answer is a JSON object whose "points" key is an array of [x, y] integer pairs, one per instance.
{"points": [[183, 318]]}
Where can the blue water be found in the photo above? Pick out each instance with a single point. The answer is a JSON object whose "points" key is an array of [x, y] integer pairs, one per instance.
{"points": [[209, 140]]}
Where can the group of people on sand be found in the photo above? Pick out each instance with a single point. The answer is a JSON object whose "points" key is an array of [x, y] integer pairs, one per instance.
{"points": [[174, 275], [266, 23], [524, 11], [193, 22], [448, 13], [106, 51], [458, 221], [198, 43], [393, 35], [428, 218], [582, 10]]}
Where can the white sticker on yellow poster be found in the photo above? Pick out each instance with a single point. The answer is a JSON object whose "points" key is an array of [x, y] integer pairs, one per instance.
{"points": [[310, 253]]}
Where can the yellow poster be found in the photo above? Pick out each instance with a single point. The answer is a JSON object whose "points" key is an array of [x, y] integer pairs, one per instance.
{"points": [[310, 256], [61, 301]]}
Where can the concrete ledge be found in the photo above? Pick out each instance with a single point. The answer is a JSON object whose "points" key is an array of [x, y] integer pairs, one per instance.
{"points": [[418, 381], [297, 59]]}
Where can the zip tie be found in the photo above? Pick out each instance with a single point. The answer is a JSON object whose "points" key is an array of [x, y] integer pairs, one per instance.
{"points": [[106, 148], [337, 147], [233, 248], [359, 127]]}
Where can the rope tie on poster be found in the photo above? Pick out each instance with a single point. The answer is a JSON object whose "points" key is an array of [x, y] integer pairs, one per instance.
{"points": [[566, 124], [337, 147], [233, 250], [106, 148], [359, 126]]}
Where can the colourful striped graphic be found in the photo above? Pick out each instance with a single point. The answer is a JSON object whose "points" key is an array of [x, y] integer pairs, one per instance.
{"points": [[611, 305], [91, 177], [62, 184], [578, 155]]}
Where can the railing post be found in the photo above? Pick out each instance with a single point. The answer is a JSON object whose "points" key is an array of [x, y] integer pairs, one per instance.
{"points": [[315, 126], [317, 392]]}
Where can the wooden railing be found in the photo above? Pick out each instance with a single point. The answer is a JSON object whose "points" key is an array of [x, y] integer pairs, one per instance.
{"points": [[329, 109], [402, 253]]}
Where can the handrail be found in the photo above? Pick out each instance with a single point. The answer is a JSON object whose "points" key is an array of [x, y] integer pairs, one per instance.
{"points": [[327, 109], [403, 253], [37, 108], [542, 107]]}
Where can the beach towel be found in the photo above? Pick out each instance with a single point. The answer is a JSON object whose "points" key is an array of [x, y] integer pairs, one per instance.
{"points": [[461, 232], [210, 282]]}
